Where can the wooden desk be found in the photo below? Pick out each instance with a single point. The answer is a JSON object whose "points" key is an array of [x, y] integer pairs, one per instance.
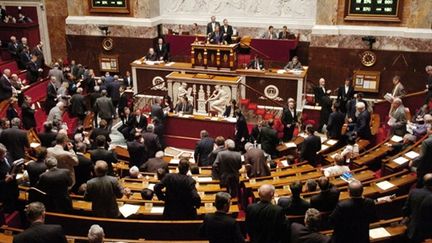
{"points": [[214, 55]]}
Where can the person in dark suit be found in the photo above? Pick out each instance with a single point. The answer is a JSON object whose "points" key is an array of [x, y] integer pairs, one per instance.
{"points": [[345, 94], [323, 99], [12, 47], [137, 151], [265, 222], [47, 137], [84, 169], [8, 185], [294, 205], [211, 26], [425, 222], [151, 141], [78, 105], [127, 128], [289, 120], [151, 55], [122, 103], [423, 162], [28, 114], [335, 122], [127, 79], [411, 209], [351, 217], [219, 146], [33, 70], [113, 90], [256, 63], [161, 50], [38, 53], [37, 167], [227, 166], [5, 85], [101, 130], [55, 182], [310, 231], [15, 139], [51, 98], [24, 58], [268, 138], [351, 107], [100, 153], [203, 148], [241, 132], [180, 195], [11, 111], [159, 130], [218, 227], [104, 108], [310, 146], [157, 111], [184, 106], [139, 121], [227, 32], [103, 191], [328, 197], [152, 165], [285, 34], [39, 232], [362, 127], [230, 109], [255, 161]]}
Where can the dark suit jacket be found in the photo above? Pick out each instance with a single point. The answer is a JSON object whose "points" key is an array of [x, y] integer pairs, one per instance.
{"points": [[55, 183], [41, 233], [123, 102], [83, 171], [8, 190], [411, 209], [268, 139], [152, 165], [50, 101], [227, 164], [255, 158], [326, 200], [161, 51], [252, 64], [216, 38], [363, 125], [102, 192], [302, 234], [335, 124], [202, 150], [100, 131], [24, 58], [209, 27], [11, 113], [293, 206], [311, 145], [47, 139], [13, 49], [425, 211], [265, 222], [34, 170], [152, 144], [128, 81], [241, 130], [15, 141], [156, 111], [137, 153], [78, 106], [319, 94], [187, 109], [180, 196], [228, 31], [212, 158], [423, 162], [351, 219], [228, 109], [93, 97], [104, 108], [286, 35], [105, 155], [288, 119], [218, 227], [141, 124], [32, 72], [114, 91], [343, 97], [5, 88], [27, 115], [150, 57]]}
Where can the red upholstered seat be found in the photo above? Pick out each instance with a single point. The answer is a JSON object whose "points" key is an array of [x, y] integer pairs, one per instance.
{"points": [[268, 116], [252, 106], [260, 112], [244, 102], [278, 126]]}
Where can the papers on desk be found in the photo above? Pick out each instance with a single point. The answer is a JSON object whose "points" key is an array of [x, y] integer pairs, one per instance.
{"points": [[137, 62], [169, 64], [324, 147], [157, 210], [331, 142], [379, 233], [323, 139], [400, 161], [128, 209], [303, 135], [385, 185], [396, 139], [151, 186], [34, 145], [231, 119], [214, 118], [290, 145], [284, 162], [412, 155], [174, 161], [281, 71], [204, 179]]}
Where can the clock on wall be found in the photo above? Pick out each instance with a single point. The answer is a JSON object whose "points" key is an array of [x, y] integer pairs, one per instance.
{"points": [[368, 58]]}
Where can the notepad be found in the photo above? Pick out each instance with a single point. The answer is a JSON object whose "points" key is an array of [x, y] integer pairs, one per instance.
{"points": [[174, 161], [400, 160], [284, 162], [128, 209], [204, 179], [378, 233], [157, 210], [151, 186], [280, 71], [396, 139], [290, 145], [412, 155], [385, 185], [331, 142], [324, 147]]}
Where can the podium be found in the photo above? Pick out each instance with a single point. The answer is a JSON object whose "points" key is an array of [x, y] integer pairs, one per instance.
{"points": [[214, 55]]}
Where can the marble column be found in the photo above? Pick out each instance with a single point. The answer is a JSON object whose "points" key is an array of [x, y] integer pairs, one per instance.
{"points": [[56, 13]]}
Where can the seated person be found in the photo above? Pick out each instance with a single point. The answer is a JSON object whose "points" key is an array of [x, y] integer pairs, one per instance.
{"points": [[294, 205], [419, 128], [184, 106], [147, 194], [285, 34], [311, 185], [134, 173], [398, 119], [23, 19], [151, 55], [269, 34], [216, 37], [406, 142], [424, 110], [294, 64], [161, 50], [227, 31], [338, 169], [256, 63]]}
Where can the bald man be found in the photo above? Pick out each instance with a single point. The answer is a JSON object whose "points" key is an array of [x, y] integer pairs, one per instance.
{"points": [[265, 222], [351, 217]]}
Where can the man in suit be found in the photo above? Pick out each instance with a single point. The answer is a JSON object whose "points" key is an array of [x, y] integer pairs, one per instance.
{"points": [[151, 55], [139, 121], [289, 120], [241, 130], [256, 63], [33, 70], [24, 57], [103, 191], [113, 90], [56, 113], [216, 37], [57, 73], [162, 50], [362, 127], [411, 209], [345, 94], [65, 155], [285, 34], [268, 138], [351, 107], [137, 151], [84, 169], [294, 205], [310, 146], [55, 183], [51, 98], [398, 119], [151, 141], [227, 32], [100, 153], [157, 111], [180, 195], [269, 34], [203, 148], [211, 27], [227, 165], [323, 99], [398, 89], [104, 108], [218, 147], [265, 222], [36, 167], [47, 137], [13, 47], [8, 185], [15, 140], [335, 122], [152, 165], [351, 217], [309, 232], [255, 161], [78, 105], [27, 113], [38, 53], [294, 64], [328, 197], [218, 227], [39, 232], [127, 79], [5, 85], [122, 103]]}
